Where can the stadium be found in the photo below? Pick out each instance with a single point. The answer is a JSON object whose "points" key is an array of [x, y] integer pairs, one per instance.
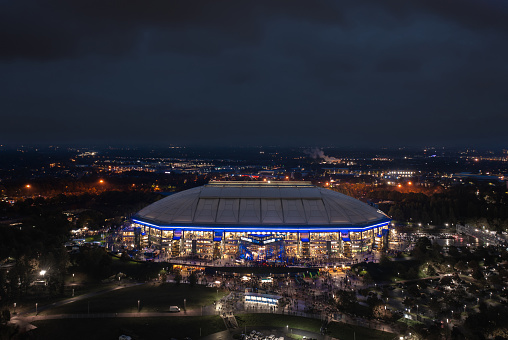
{"points": [[261, 221]]}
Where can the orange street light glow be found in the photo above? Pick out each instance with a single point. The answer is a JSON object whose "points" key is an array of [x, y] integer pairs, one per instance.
{"points": [[399, 185], [28, 186], [410, 183], [101, 181]]}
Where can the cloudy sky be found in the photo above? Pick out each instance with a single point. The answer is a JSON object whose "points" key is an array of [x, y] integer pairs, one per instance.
{"points": [[340, 73]]}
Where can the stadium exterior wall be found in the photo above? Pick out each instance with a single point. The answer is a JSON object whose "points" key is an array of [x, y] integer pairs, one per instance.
{"points": [[260, 241]]}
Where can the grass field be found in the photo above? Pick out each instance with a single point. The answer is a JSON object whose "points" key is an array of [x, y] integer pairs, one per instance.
{"points": [[143, 328], [180, 327], [153, 298]]}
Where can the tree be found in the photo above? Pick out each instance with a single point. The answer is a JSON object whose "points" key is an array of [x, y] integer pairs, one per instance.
{"points": [[5, 316], [435, 306], [193, 279], [384, 261], [346, 300], [178, 277], [367, 279], [461, 266], [477, 274], [431, 271], [411, 274], [95, 262], [125, 257], [163, 276]]}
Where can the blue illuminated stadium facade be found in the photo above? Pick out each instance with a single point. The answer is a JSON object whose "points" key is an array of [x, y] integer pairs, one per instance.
{"points": [[262, 221]]}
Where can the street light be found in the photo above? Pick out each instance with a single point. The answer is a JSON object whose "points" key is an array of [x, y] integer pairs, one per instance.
{"points": [[36, 309], [138, 306], [14, 307]]}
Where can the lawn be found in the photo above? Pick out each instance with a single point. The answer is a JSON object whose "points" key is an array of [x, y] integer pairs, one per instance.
{"points": [[143, 328], [335, 329], [278, 320], [152, 297], [345, 331]]}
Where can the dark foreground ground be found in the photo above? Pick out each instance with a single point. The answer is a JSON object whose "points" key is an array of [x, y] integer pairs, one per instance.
{"points": [[193, 327]]}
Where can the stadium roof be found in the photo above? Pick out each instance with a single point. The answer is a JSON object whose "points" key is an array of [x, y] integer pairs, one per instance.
{"points": [[242, 205]]}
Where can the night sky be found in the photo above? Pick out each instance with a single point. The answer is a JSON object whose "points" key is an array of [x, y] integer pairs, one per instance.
{"points": [[225, 73]]}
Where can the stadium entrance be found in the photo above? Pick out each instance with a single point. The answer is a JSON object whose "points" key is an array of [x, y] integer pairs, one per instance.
{"points": [[261, 247]]}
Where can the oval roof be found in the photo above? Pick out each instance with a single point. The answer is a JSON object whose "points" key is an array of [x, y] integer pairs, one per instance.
{"points": [[260, 204]]}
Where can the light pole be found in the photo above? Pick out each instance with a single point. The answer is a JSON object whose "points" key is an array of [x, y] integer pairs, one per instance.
{"points": [[14, 308], [72, 277], [138, 306], [36, 309], [184, 301]]}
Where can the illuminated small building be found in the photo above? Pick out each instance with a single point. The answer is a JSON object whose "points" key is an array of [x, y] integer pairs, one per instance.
{"points": [[262, 300], [261, 221]]}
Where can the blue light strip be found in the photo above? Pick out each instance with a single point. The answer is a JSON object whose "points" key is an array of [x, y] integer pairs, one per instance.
{"points": [[254, 229]]}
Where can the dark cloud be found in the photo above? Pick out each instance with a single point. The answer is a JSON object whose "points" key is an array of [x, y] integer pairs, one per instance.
{"points": [[398, 65], [49, 29], [486, 14], [279, 72]]}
